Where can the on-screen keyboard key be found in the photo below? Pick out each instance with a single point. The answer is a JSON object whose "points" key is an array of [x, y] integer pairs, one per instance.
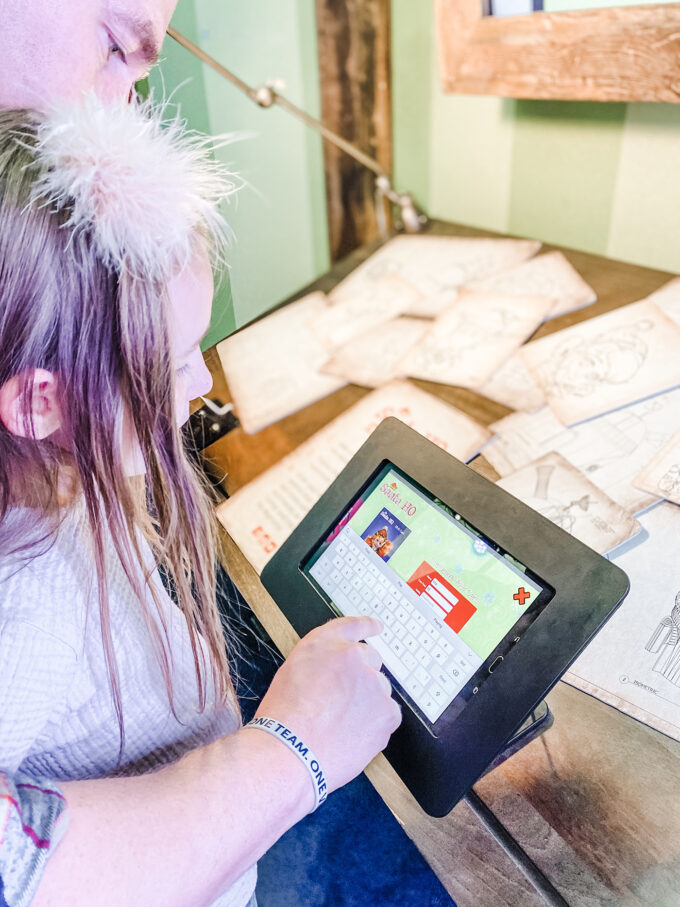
{"points": [[397, 646], [423, 657], [439, 655], [414, 688], [409, 660], [411, 643], [422, 675], [399, 630]]}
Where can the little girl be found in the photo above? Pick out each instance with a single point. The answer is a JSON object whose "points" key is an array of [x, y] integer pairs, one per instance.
{"points": [[107, 225]]}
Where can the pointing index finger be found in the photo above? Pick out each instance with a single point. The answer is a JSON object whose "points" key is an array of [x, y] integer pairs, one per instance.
{"points": [[354, 629]]}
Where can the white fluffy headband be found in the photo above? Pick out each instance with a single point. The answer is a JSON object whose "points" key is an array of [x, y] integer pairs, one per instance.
{"points": [[140, 186]]}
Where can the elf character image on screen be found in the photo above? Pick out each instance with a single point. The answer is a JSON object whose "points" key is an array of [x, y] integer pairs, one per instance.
{"points": [[384, 534], [379, 542]]}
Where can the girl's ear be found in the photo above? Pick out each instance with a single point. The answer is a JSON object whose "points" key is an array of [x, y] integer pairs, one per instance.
{"points": [[37, 416]]}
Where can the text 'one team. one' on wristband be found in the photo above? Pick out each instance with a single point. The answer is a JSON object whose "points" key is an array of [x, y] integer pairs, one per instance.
{"points": [[302, 751]]}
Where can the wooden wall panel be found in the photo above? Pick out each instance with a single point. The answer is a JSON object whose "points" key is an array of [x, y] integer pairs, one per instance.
{"points": [[613, 54], [354, 62]]}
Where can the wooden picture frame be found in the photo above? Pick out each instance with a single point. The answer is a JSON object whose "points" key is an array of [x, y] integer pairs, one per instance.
{"points": [[620, 54]]}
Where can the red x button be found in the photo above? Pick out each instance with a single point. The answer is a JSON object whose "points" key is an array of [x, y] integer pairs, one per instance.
{"points": [[521, 595]]}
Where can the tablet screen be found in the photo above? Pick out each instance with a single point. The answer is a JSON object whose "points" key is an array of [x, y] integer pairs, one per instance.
{"points": [[452, 601]]}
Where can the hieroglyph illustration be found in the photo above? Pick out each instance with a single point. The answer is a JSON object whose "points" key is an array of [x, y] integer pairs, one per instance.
{"points": [[606, 362], [563, 514], [478, 333], [436, 266], [665, 641], [661, 475], [361, 309], [610, 450], [562, 494], [669, 483], [633, 663], [580, 366], [545, 275], [272, 367], [513, 386], [374, 358]]}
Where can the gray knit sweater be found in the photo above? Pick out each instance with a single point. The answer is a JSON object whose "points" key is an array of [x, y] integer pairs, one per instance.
{"points": [[57, 717]]}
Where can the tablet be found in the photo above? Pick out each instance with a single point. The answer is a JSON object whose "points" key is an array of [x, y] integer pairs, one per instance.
{"points": [[484, 602], [452, 601]]}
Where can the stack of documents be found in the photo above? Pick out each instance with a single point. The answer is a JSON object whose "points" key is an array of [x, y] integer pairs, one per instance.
{"points": [[449, 309], [593, 443], [612, 420]]}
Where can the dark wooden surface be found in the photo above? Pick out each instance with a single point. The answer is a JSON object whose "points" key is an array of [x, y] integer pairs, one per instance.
{"points": [[354, 63], [595, 801]]}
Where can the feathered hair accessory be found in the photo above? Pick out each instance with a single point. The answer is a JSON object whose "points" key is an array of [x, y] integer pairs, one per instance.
{"points": [[141, 185]]}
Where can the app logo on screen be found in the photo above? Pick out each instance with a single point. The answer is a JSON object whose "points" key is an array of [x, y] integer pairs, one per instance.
{"points": [[384, 534]]}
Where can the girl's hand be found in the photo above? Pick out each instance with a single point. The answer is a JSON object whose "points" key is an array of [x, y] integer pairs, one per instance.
{"points": [[331, 693]]}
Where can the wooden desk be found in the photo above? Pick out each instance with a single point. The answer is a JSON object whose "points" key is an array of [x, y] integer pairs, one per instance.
{"points": [[595, 801]]}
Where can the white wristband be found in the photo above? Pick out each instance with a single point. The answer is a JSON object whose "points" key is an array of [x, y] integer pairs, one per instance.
{"points": [[302, 751]]}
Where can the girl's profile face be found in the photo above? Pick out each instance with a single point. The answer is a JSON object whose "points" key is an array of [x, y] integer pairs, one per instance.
{"points": [[191, 295]]}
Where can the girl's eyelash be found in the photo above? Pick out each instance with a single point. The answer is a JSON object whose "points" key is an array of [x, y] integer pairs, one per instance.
{"points": [[116, 49], [183, 370]]}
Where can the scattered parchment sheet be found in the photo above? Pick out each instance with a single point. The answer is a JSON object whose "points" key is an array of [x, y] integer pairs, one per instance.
{"points": [[513, 386], [468, 342], [436, 266], [606, 362], [262, 515], [610, 450], [374, 358], [661, 476], [357, 310], [667, 298], [633, 663], [559, 491], [546, 275], [272, 367]]}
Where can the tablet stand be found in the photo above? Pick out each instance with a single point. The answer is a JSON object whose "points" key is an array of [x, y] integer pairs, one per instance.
{"points": [[536, 724]]}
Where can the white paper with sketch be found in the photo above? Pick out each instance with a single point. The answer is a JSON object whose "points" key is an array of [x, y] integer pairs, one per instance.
{"points": [[272, 367], [610, 450], [633, 663], [546, 275], [661, 476], [513, 386], [356, 311], [606, 362], [262, 514], [667, 298], [374, 358], [468, 342], [436, 266], [562, 493]]}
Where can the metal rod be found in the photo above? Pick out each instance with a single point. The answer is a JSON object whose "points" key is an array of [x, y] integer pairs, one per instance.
{"points": [[266, 96], [530, 870]]}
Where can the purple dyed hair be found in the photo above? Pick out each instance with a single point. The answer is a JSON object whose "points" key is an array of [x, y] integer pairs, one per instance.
{"points": [[104, 335]]}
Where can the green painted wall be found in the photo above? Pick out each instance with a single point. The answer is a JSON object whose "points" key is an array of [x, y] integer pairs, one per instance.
{"points": [[279, 217], [598, 177]]}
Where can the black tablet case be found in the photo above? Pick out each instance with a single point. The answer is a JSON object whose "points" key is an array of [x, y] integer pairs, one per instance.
{"points": [[588, 588]]}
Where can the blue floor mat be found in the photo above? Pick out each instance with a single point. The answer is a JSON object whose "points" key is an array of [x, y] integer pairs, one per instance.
{"points": [[352, 852]]}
